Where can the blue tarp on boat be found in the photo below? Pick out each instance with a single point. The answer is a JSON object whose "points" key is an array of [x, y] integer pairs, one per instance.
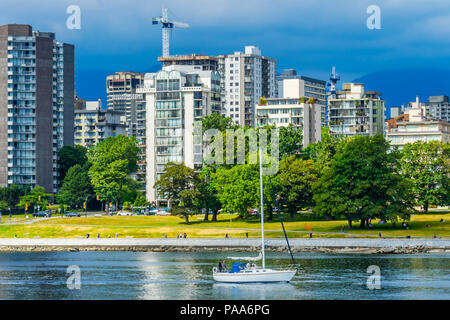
{"points": [[237, 266]]}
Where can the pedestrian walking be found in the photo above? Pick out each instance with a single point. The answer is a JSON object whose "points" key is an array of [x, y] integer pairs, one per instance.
{"points": [[343, 229]]}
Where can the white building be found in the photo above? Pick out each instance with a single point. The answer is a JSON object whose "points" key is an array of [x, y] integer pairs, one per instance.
{"points": [[94, 124], [176, 97], [246, 77], [414, 125], [355, 111], [290, 84], [292, 109]]}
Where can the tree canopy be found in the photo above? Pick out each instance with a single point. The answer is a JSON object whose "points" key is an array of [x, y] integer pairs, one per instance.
{"points": [[112, 161], [362, 183]]}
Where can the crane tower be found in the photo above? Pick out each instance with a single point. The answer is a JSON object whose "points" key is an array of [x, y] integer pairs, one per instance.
{"points": [[167, 26]]}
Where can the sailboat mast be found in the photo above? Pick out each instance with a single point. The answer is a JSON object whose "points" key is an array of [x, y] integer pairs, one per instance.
{"points": [[262, 207]]}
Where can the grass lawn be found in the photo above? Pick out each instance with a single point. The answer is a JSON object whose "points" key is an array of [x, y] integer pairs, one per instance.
{"points": [[156, 226]]}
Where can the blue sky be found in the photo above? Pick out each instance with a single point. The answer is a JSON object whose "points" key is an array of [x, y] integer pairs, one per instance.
{"points": [[309, 35]]}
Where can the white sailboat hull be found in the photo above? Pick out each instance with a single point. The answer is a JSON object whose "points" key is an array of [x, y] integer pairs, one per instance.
{"points": [[258, 275]]}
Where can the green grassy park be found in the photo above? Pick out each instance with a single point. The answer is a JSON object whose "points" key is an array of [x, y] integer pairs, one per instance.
{"points": [[420, 225]]}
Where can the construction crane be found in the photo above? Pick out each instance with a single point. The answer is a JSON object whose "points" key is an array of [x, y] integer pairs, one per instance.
{"points": [[167, 26]]}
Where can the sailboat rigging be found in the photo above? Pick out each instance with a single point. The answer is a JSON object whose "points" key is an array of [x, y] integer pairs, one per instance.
{"points": [[244, 273]]}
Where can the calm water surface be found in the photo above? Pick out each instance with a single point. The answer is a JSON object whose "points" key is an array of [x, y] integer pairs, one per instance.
{"points": [[136, 275]]}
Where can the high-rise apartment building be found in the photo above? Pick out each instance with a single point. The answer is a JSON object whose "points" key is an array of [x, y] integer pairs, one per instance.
{"points": [[122, 97], [293, 109], [354, 111], [300, 86], [284, 112], [176, 97], [246, 77], [438, 108], [93, 124], [36, 105]]}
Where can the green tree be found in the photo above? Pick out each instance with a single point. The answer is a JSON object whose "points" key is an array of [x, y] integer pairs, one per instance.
{"points": [[76, 188], [36, 197], [362, 183], [112, 161], [207, 196], [296, 178], [178, 186], [290, 141], [140, 201], [11, 194], [69, 156], [4, 206], [427, 165], [323, 151], [237, 188], [217, 121]]}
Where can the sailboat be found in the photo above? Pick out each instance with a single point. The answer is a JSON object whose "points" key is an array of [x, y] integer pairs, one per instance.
{"points": [[246, 272]]}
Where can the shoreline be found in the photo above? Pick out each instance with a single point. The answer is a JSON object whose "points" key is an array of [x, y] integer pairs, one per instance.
{"points": [[326, 245]]}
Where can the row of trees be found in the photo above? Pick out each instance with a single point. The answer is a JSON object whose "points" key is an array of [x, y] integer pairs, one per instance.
{"points": [[360, 178], [100, 174]]}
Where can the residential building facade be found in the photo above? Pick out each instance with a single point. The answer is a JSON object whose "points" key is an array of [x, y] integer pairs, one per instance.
{"points": [[123, 97], [246, 77], [355, 111], [284, 112], [36, 105], [176, 97], [414, 125], [438, 108], [95, 124], [291, 85]]}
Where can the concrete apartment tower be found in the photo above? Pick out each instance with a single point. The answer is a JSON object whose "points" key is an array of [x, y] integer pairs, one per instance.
{"points": [[36, 105], [291, 85], [176, 97], [246, 77], [292, 109], [122, 97], [355, 111], [94, 124]]}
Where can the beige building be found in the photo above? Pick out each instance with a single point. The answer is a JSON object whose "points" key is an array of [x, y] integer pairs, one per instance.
{"points": [[292, 109], [355, 111], [415, 126], [94, 124]]}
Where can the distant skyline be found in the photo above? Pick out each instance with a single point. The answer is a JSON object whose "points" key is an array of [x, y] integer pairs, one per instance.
{"points": [[308, 35]]}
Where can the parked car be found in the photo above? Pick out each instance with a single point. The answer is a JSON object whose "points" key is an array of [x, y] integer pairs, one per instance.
{"points": [[253, 211], [42, 214], [124, 213], [153, 211], [73, 214]]}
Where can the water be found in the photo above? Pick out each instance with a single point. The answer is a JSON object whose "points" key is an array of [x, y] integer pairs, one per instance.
{"points": [[180, 275]]}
